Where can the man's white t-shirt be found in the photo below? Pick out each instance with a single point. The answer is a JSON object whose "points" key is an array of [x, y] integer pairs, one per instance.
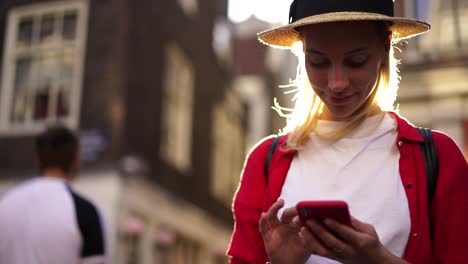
{"points": [[43, 221]]}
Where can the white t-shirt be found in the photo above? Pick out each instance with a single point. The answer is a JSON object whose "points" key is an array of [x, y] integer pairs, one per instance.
{"points": [[361, 169], [43, 221]]}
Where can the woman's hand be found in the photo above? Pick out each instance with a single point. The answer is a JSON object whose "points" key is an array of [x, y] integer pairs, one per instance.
{"points": [[350, 246], [281, 237]]}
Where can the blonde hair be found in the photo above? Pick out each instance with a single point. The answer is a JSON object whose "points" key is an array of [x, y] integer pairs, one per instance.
{"points": [[304, 117]]}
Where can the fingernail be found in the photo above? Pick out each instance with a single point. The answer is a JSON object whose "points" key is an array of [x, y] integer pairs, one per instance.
{"points": [[328, 222]]}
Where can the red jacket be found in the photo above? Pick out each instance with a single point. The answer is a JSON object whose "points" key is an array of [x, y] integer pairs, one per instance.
{"points": [[449, 209]]}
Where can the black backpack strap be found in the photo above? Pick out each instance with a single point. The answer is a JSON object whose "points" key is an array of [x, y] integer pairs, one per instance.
{"points": [[271, 150], [431, 161]]}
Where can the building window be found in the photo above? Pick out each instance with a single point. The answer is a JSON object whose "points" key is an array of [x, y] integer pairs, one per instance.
{"points": [[452, 18], [43, 66], [461, 10], [222, 40], [177, 109], [449, 21], [190, 7], [421, 9], [228, 147]]}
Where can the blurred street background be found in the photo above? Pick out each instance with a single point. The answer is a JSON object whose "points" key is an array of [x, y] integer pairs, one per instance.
{"points": [[168, 96]]}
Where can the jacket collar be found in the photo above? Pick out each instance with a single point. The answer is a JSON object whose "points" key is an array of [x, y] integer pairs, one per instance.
{"points": [[406, 130]]}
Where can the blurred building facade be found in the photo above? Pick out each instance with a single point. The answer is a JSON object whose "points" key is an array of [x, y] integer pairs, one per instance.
{"points": [[434, 87], [258, 71], [148, 86]]}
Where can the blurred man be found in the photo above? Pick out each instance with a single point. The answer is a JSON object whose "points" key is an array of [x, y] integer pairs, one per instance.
{"points": [[43, 221]]}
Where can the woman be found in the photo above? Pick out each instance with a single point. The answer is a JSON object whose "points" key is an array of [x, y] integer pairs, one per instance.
{"points": [[344, 142]]}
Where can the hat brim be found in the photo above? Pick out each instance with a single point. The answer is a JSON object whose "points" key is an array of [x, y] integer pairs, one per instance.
{"points": [[285, 36]]}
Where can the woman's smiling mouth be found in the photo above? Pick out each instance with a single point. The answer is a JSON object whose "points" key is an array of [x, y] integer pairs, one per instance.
{"points": [[339, 100]]}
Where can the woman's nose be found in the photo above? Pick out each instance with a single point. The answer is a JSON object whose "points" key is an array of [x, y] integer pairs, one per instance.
{"points": [[338, 78]]}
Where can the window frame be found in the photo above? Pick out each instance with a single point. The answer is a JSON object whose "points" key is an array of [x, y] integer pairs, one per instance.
{"points": [[11, 53], [176, 143], [225, 178], [189, 7]]}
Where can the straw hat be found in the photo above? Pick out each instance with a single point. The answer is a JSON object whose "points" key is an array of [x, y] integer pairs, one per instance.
{"points": [[308, 12]]}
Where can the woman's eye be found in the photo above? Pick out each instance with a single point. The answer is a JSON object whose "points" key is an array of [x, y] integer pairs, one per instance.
{"points": [[357, 61], [318, 62]]}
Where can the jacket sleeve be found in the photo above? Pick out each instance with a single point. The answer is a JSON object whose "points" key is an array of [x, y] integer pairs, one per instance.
{"points": [[449, 208], [246, 242]]}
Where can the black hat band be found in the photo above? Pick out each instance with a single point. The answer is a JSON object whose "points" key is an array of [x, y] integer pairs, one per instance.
{"points": [[304, 8]]}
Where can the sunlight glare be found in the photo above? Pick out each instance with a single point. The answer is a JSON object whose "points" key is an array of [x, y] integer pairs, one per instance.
{"points": [[272, 11]]}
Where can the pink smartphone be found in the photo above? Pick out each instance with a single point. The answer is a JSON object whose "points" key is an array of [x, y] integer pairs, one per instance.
{"points": [[321, 210]]}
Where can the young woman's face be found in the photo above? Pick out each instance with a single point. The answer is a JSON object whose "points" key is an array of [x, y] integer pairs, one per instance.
{"points": [[342, 62]]}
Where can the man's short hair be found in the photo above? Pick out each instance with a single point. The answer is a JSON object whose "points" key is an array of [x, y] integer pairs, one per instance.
{"points": [[56, 147]]}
